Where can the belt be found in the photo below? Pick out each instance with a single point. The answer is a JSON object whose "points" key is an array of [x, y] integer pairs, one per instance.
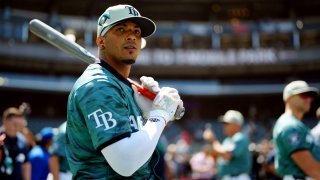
{"points": [[298, 178], [241, 175], [291, 177]]}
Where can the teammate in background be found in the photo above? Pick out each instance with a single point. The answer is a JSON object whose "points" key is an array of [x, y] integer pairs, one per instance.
{"points": [[297, 156], [14, 163], [59, 167], [112, 130], [234, 158], [316, 130], [39, 155]]}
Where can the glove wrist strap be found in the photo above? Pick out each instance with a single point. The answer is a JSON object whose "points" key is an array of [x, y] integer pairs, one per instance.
{"points": [[159, 114]]}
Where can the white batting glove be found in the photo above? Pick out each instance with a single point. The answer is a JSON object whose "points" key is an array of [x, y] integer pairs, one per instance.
{"points": [[165, 105], [150, 84], [153, 86], [143, 102]]}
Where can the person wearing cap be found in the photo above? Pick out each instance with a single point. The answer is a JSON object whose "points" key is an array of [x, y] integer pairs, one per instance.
{"points": [[112, 130], [297, 155], [14, 162], [39, 155], [234, 158]]}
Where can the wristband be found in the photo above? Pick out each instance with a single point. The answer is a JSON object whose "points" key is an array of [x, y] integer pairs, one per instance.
{"points": [[159, 114]]}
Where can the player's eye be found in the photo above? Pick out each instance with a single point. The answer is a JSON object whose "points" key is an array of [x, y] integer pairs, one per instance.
{"points": [[137, 32], [120, 29]]}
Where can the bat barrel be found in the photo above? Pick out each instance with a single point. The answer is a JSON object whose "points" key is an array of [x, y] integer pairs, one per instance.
{"points": [[57, 39]]}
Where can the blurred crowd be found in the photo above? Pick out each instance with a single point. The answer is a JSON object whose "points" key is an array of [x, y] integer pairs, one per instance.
{"points": [[41, 156], [27, 155]]}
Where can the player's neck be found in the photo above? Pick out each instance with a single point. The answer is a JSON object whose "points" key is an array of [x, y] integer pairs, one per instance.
{"points": [[297, 114], [122, 69]]}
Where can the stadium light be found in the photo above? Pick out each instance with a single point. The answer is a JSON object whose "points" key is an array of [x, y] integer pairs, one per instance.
{"points": [[299, 24], [70, 34]]}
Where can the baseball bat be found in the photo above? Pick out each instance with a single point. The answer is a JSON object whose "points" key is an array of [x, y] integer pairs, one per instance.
{"points": [[58, 40]]}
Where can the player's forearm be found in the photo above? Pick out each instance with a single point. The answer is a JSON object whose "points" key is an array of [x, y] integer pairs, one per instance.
{"points": [[313, 171], [54, 166], [220, 150], [128, 155], [307, 163], [26, 171]]}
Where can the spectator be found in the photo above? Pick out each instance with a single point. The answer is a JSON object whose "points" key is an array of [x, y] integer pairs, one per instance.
{"points": [[39, 155], [182, 157], [203, 165], [234, 158], [14, 162], [269, 166], [59, 166], [297, 156]]}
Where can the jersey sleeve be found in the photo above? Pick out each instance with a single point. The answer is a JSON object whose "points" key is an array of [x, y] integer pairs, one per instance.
{"points": [[293, 139], [105, 112], [240, 145]]}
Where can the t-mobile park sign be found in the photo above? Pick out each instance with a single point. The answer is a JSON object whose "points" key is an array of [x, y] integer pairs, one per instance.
{"points": [[182, 57]]}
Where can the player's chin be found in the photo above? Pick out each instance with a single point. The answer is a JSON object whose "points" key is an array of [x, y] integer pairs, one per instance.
{"points": [[129, 61]]}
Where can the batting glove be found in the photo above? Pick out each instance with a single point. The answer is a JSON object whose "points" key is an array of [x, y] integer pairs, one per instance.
{"points": [[150, 84], [153, 86], [165, 104], [143, 102]]}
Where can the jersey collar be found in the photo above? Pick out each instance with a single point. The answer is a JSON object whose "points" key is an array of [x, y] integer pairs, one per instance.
{"points": [[114, 72]]}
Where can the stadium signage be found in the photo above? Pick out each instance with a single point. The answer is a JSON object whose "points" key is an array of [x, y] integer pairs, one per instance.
{"points": [[167, 57]]}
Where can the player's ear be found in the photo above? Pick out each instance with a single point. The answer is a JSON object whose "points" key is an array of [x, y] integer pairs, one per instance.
{"points": [[100, 42]]}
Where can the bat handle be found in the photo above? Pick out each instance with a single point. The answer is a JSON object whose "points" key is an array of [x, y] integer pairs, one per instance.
{"points": [[145, 92]]}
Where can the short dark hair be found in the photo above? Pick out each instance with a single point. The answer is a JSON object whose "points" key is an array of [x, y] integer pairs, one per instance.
{"points": [[11, 112]]}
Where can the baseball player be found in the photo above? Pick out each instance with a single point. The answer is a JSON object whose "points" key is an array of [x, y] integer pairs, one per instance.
{"points": [[234, 158], [112, 130], [297, 156]]}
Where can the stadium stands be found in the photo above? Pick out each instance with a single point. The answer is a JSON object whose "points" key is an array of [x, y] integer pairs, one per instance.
{"points": [[218, 54]]}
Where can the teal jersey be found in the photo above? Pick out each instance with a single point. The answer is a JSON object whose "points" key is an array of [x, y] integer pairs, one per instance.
{"points": [[291, 135], [101, 111], [58, 147], [238, 146]]}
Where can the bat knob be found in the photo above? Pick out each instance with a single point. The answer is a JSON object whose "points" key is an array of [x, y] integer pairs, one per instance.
{"points": [[179, 113]]}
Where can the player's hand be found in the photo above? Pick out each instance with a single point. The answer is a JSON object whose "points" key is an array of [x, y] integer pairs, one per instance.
{"points": [[143, 102], [150, 84], [165, 104], [153, 86], [209, 135]]}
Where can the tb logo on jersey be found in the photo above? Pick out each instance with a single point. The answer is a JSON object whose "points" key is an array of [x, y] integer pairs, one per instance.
{"points": [[107, 121]]}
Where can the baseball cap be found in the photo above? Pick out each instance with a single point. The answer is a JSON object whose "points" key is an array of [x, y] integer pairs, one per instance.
{"points": [[298, 87], [232, 116], [118, 13], [46, 134]]}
